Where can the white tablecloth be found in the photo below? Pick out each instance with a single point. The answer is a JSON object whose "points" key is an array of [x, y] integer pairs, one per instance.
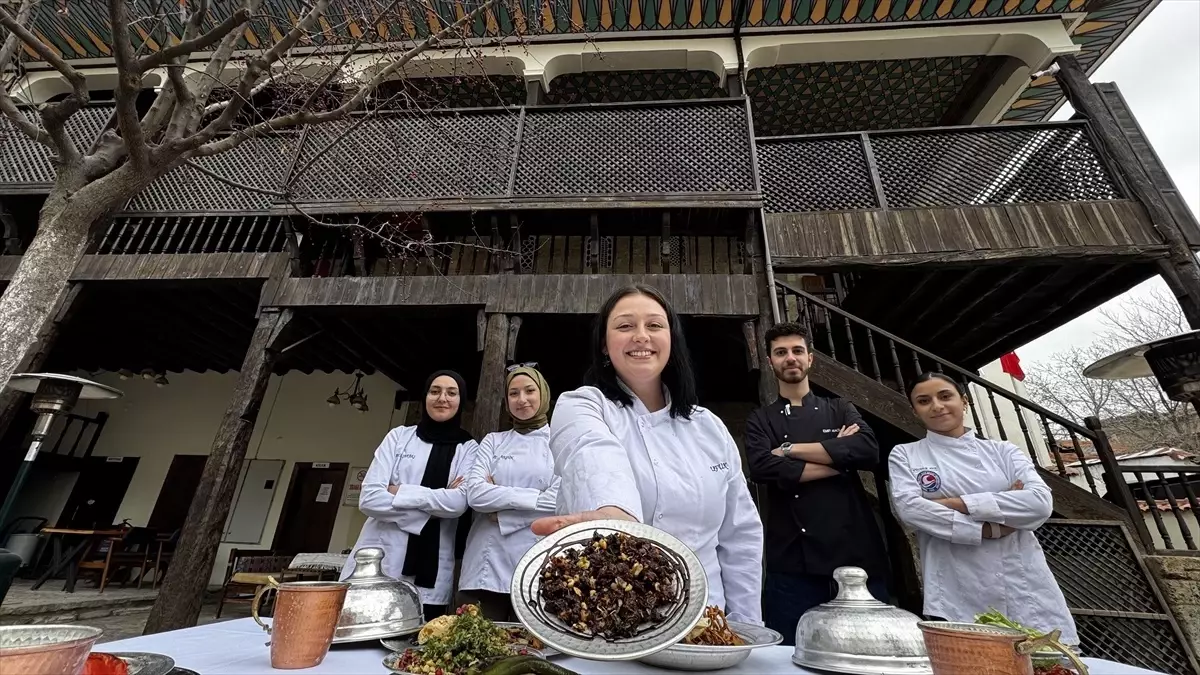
{"points": [[239, 648]]}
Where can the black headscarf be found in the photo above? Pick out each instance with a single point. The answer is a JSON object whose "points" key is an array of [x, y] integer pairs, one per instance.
{"points": [[421, 559]]}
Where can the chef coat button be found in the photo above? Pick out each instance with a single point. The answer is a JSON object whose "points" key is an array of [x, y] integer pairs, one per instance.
{"points": [[660, 516]]}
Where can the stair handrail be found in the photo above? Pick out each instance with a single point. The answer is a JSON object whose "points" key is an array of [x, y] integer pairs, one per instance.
{"points": [[973, 378]]}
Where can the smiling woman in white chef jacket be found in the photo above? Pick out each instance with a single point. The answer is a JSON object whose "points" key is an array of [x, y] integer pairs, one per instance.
{"points": [[636, 445], [414, 494], [975, 504], [511, 484]]}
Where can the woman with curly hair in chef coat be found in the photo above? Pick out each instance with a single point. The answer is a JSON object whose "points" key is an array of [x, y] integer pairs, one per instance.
{"points": [[511, 484], [414, 495], [975, 504], [634, 444]]}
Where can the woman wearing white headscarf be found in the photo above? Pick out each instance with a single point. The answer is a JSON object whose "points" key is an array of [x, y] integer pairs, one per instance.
{"points": [[511, 484]]}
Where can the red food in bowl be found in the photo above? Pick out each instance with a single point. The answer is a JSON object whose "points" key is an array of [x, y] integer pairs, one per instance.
{"points": [[104, 664]]}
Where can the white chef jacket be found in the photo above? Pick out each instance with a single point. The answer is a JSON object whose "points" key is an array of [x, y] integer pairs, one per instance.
{"points": [[525, 489], [965, 574], [682, 476], [400, 460]]}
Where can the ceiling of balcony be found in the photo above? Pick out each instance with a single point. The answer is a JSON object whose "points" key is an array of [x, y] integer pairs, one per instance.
{"points": [[84, 33]]}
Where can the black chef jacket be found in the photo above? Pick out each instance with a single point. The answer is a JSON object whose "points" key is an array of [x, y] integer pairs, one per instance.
{"points": [[818, 526]]}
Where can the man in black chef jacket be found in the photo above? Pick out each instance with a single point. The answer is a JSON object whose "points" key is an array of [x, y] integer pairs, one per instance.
{"points": [[806, 450]]}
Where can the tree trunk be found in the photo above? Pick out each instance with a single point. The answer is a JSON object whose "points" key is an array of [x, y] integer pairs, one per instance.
{"points": [[11, 402], [40, 284], [182, 593]]}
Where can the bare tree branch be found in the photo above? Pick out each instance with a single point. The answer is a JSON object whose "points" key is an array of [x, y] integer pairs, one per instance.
{"points": [[7, 50], [221, 105], [309, 117], [233, 183], [54, 117], [254, 70], [129, 83], [187, 46]]}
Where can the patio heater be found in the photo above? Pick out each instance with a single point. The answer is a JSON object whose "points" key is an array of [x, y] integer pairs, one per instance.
{"points": [[1173, 361], [52, 395]]}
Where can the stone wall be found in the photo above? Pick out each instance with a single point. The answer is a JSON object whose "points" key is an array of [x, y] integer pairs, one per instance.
{"points": [[1179, 578]]}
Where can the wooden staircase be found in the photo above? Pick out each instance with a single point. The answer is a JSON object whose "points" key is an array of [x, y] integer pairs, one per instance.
{"points": [[871, 367]]}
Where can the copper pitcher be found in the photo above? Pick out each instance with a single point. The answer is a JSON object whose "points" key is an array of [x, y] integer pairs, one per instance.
{"points": [[975, 649], [306, 615]]}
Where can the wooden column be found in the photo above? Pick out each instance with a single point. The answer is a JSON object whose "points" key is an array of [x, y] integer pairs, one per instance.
{"points": [[179, 599], [768, 390], [1180, 269], [10, 236], [490, 397], [11, 402]]}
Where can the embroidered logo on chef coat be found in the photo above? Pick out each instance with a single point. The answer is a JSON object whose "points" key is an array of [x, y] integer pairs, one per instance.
{"points": [[723, 466], [929, 481], [508, 457], [406, 455]]}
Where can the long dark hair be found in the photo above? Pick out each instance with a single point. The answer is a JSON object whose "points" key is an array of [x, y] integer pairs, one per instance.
{"points": [[930, 375], [677, 375]]}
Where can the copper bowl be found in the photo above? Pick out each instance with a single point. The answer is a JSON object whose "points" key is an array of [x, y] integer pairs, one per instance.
{"points": [[46, 650]]}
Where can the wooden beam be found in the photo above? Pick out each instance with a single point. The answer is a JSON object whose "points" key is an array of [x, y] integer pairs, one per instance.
{"points": [[1060, 290], [480, 330], [751, 337], [1043, 255], [768, 389], [514, 329], [953, 297], [377, 358], [11, 244], [489, 399], [182, 593], [881, 400], [11, 402], [960, 319], [1184, 275], [594, 241]]}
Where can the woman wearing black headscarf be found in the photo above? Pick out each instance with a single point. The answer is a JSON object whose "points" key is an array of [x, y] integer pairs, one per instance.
{"points": [[414, 495]]}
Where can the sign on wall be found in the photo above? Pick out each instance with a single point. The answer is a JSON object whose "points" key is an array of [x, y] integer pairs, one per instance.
{"points": [[354, 483]]}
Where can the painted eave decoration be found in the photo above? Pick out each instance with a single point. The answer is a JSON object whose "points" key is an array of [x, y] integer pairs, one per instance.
{"points": [[78, 29]]}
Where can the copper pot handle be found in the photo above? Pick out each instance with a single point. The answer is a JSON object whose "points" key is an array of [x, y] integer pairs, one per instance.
{"points": [[271, 585], [1050, 639]]}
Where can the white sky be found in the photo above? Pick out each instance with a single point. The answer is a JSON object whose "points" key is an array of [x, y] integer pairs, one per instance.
{"points": [[1158, 71]]}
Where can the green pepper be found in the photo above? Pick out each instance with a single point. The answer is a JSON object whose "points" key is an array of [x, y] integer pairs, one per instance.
{"points": [[526, 665]]}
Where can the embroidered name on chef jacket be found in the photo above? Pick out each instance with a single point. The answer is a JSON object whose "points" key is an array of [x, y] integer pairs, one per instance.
{"points": [[723, 466], [508, 457], [406, 455], [928, 479]]}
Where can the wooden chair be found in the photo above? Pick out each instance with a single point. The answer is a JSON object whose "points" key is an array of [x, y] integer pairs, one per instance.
{"points": [[120, 554], [247, 570], [164, 552]]}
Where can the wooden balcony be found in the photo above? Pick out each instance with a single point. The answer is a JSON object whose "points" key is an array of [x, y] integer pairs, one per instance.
{"points": [[966, 240], [955, 194]]}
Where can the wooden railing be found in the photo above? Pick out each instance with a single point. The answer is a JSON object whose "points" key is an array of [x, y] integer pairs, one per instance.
{"points": [[995, 411], [1173, 486]]}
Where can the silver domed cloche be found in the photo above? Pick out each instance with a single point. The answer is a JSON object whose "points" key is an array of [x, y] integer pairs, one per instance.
{"points": [[377, 606], [855, 633]]}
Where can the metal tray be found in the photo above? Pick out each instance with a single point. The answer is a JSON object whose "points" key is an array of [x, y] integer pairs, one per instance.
{"points": [[389, 661], [715, 657], [145, 663], [399, 644], [526, 582]]}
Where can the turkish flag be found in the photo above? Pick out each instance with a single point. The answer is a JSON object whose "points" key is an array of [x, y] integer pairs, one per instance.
{"points": [[1010, 364]]}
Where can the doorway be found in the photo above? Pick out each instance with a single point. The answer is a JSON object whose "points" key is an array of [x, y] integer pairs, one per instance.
{"points": [[175, 496], [313, 498], [98, 492]]}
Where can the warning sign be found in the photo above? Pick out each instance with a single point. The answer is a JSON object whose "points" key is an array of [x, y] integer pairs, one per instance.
{"points": [[354, 483]]}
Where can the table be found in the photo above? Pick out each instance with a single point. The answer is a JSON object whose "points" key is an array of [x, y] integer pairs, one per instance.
{"points": [[73, 557], [242, 650]]}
